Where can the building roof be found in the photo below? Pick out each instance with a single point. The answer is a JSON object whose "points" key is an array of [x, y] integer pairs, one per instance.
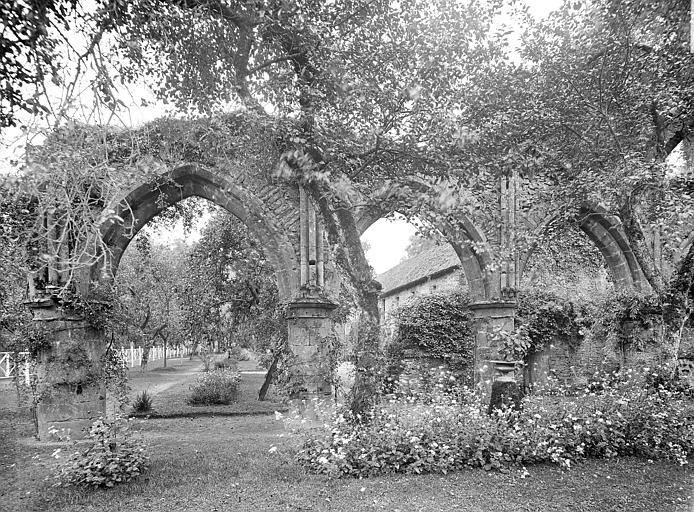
{"points": [[440, 259]]}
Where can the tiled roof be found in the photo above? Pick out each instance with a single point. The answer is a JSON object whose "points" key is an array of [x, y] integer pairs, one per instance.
{"points": [[435, 261]]}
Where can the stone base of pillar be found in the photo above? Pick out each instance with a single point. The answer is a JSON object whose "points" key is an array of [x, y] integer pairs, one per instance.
{"points": [[310, 331], [505, 394], [68, 414], [71, 391], [489, 317]]}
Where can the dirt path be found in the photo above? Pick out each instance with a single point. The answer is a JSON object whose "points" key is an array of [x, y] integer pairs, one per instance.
{"points": [[157, 380]]}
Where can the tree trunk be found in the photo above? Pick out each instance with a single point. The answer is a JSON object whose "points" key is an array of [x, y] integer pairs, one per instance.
{"points": [[262, 394]]}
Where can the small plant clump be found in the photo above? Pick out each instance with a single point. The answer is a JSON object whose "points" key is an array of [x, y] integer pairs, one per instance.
{"points": [[443, 432], [114, 456], [216, 387], [142, 402]]}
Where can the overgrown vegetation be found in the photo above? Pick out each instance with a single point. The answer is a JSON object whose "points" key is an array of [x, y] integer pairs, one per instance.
{"points": [[113, 456], [443, 432], [435, 327], [548, 318]]}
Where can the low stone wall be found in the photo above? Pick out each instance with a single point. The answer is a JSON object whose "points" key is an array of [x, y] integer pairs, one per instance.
{"points": [[595, 354], [557, 361]]}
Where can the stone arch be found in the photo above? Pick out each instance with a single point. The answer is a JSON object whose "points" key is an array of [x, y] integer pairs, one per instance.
{"points": [[606, 232], [134, 210], [468, 241]]}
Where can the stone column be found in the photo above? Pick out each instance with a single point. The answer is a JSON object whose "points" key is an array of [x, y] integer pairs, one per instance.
{"points": [[311, 254], [490, 316], [309, 331], [71, 391]]}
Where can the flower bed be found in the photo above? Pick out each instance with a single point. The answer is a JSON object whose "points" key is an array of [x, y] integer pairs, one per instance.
{"points": [[445, 432]]}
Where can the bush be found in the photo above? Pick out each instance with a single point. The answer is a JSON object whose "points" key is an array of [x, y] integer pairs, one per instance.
{"points": [[114, 456], [448, 432], [548, 318], [216, 387], [228, 364], [143, 402]]}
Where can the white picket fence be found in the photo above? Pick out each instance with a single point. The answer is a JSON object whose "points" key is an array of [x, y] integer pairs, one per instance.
{"points": [[11, 363], [133, 355]]}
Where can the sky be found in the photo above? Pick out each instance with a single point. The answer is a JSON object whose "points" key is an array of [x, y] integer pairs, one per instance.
{"points": [[386, 241]]}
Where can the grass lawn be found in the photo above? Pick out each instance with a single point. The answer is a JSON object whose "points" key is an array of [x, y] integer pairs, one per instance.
{"points": [[170, 388], [223, 463]]}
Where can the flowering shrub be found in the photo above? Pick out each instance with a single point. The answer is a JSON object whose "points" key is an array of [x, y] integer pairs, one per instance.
{"points": [[216, 387], [114, 456], [449, 431]]}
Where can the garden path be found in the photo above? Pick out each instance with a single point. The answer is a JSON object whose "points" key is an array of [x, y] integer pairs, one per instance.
{"points": [[156, 380]]}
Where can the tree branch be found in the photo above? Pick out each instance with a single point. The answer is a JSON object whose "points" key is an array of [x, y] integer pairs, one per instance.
{"points": [[270, 63]]}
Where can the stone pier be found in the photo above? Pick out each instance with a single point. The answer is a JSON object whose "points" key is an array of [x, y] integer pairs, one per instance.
{"points": [[490, 316], [71, 391], [309, 331]]}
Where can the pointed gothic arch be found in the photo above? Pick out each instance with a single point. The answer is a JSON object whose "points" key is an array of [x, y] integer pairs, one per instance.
{"points": [[607, 234], [468, 241], [134, 210]]}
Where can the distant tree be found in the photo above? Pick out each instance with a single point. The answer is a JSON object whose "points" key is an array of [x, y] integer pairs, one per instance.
{"points": [[232, 285], [417, 245], [148, 294]]}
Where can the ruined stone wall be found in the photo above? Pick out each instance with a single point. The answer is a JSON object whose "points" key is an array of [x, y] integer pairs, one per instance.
{"points": [[558, 361], [597, 353]]}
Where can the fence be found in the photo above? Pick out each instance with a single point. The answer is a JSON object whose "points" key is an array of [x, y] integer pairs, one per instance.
{"points": [[11, 363], [133, 355]]}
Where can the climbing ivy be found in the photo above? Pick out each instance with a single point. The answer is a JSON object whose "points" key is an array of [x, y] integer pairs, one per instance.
{"points": [[548, 318], [437, 326], [615, 313]]}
